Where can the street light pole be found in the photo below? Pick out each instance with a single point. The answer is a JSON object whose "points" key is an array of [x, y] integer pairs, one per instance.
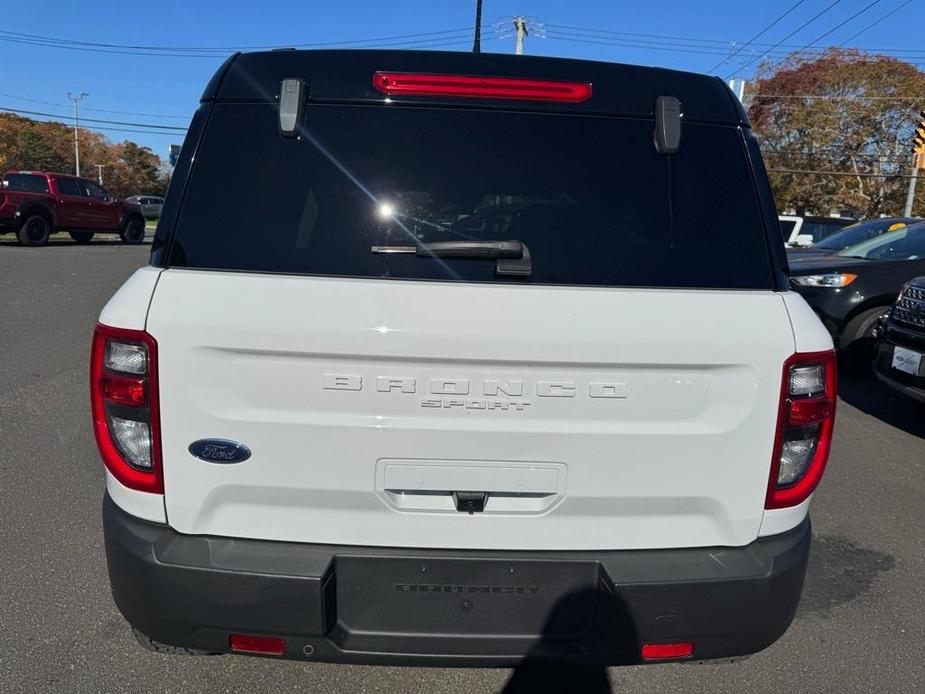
{"points": [[99, 168], [76, 99]]}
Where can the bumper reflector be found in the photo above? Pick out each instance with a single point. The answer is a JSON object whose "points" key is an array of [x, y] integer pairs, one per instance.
{"points": [[267, 645], [667, 651]]}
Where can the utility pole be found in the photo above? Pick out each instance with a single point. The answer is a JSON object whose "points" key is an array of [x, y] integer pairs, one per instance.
{"points": [[477, 43], [99, 168], [520, 25], [918, 162], [76, 99]]}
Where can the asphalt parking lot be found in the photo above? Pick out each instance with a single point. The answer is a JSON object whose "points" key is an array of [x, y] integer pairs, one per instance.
{"points": [[859, 628]]}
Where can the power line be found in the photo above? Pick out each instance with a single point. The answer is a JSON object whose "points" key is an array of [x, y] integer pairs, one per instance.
{"points": [[642, 43], [756, 36], [671, 46], [416, 44], [883, 97], [573, 38], [402, 40], [94, 120], [840, 25], [132, 130], [46, 44], [87, 108], [810, 172], [790, 35], [873, 24], [232, 48], [632, 34], [834, 154], [137, 113], [119, 130], [719, 43]]}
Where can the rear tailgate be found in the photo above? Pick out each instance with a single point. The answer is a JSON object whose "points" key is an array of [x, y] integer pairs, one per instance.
{"points": [[622, 394], [366, 403]]}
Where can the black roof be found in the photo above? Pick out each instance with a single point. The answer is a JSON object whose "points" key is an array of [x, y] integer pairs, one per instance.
{"points": [[346, 75]]}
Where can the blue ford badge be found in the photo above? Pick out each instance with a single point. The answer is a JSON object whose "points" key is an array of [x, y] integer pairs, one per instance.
{"points": [[220, 451]]}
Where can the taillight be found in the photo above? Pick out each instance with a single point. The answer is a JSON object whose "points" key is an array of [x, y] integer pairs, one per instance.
{"points": [[123, 398], [416, 84], [805, 423]]}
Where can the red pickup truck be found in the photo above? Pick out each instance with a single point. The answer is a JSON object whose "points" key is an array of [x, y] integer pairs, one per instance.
{"points": [[33, 204]]}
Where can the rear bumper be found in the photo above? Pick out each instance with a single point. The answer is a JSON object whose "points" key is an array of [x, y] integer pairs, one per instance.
{"points": [[450, 607]]}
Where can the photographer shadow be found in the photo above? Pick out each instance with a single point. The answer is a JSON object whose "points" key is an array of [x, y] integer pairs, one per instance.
{"points": [[585, 631]]}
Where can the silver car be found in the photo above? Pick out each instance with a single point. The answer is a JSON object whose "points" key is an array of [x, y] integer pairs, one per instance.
{"points": [[150, 205]]}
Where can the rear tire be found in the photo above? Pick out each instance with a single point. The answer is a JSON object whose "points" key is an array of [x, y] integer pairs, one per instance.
{"points": [[133, 232], [81, 236], [856, 346], [150, 644], [34, 231]]}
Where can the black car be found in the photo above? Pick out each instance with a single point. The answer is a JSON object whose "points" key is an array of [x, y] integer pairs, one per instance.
{"points": [[851, 236], [900, 357], [853, 288]]}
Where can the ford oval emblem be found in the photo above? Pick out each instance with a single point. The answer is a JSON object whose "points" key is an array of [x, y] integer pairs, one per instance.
{"points": [[220, 451]]}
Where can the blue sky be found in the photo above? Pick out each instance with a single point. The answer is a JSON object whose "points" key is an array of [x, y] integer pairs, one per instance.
{"points": [[164, 89]]}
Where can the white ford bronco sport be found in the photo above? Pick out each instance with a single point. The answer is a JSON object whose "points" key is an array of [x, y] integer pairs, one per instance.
{"points": [[453, 359]]}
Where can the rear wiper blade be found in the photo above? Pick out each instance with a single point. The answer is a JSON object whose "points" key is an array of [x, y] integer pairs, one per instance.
{"points": [[513, 257]]}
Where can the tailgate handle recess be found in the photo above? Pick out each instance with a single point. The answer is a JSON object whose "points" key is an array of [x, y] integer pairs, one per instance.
{"points": [[470, 502]]}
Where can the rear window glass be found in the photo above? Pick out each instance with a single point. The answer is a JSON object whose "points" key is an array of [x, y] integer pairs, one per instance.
{"points": [[856, 233], [27, 183], [820, 230], [590, 197]]}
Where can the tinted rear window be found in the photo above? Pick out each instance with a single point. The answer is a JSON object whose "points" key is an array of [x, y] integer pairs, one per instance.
{"points": [[68, 186], [820, 230], [589, 196], [27, 183]]}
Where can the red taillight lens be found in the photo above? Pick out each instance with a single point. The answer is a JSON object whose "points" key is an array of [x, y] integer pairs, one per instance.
{"points": [[667, 651], [268, 645], [396, 84], [128, 391], [806, 421], [123, 399]]}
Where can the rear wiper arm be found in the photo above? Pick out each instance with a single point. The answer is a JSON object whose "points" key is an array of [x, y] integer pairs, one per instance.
{"points": [[513, 257]]}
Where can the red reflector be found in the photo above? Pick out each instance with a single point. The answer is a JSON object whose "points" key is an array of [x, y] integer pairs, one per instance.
{"points": [[126, 391], [810, 411], [269, 645], [481, 87], [667, 651]]}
